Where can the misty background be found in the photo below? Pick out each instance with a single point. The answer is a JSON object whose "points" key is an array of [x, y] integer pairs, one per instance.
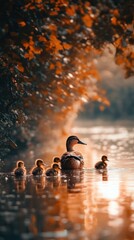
{"points": [[118, 89]]}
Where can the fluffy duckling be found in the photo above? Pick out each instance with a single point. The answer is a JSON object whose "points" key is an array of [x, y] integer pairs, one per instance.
{"points": [[20, 169], [39, 168], [71, 159], [56, 160], [102, 164], [53, 171]]}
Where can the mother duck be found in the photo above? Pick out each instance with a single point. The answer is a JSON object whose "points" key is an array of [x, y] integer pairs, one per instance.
{"points": [[72, 159]]}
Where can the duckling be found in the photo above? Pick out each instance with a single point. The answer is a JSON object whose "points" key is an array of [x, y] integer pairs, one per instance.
{"points": [[53, 171], [39, 167], [56, 160], [20, 169], [71, 159], [102, 164]]}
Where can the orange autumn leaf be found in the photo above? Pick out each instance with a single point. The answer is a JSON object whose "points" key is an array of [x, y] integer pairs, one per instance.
{"points": [[26, 55], [87, 20], [22, 24], [55, 43], [81, 90], [31, 47], [60, 100], [37, 50], [61, 3], [70, 31], [58, 64], [20, 67], [58, 71], [53, 13], [95, 97], [38, 1], [42, 39], [116, 12], [52, 27], [114, 20], [71, 10], [66, 21], [75, 28], [32, 7], [94, 73], [31, 42], [52, 66], [119, 59], [118, 42], [25, 44], [29, 55], [106, 102], [67, 45], [58, 67]]}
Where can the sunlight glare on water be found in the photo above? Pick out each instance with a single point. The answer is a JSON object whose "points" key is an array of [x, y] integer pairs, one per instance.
{"points": [[78, 205]]}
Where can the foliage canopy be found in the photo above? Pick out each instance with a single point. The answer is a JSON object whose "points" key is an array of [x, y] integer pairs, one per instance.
{"points": [[47, 52]]}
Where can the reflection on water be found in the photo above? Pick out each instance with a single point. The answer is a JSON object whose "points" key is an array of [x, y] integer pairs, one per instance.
{"points": [[88, 204]]}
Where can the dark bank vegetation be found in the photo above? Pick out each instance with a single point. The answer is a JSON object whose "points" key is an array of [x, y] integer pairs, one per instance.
{"points": [[47, 70], [121, 106]]}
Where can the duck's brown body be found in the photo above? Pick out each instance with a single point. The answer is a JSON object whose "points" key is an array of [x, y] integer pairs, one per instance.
{"points": [[71, 159], [71, 162]]}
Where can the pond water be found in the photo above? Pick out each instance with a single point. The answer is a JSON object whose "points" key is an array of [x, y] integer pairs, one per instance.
{"points": [[77, 205]]}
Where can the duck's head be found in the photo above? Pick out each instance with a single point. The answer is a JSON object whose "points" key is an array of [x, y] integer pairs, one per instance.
{"points": [[20, 163], [56, 160], [39, 162], [104, 158], [71, 141]]}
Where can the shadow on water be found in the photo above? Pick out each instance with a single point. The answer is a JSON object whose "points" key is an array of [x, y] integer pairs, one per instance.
{"points": [[88, 204]]}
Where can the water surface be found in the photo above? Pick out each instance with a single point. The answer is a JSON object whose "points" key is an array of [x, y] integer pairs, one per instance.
{"points": [[78, 205]]}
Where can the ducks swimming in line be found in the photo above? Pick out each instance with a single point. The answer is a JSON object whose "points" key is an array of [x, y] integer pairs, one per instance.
{"points": [[39, 168], [72, 159], [20, 169], [102, 164]]}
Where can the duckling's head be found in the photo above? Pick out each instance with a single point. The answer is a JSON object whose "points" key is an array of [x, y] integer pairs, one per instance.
{"points": [[72, 140], [104, 158], [20, 163], [39, 162], [55, 166], [56, 159]]}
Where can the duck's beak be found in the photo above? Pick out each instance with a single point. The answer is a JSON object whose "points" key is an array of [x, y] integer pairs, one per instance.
{"points": [[107, 160], [80, 142]]}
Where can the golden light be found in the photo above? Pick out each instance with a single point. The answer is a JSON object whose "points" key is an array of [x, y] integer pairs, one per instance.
{"points": [[109, 189]]}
